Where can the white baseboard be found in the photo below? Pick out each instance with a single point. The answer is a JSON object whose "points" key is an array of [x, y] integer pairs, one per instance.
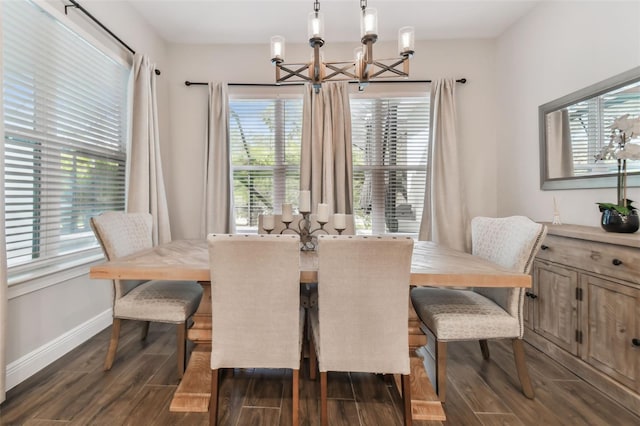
{"points": [[26, 366]]}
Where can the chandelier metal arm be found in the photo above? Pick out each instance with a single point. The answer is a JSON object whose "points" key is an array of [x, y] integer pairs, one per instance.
{"points": [[292, 73], [389, 68], [340, 70]]}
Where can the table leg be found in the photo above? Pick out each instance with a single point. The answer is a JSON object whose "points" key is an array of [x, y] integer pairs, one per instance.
{"points": [[425, 404], [194, 391]]}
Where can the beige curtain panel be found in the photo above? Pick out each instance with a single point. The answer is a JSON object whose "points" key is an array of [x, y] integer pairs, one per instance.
{"points": [[444, 216], [145, 185], [217, 211], [325, 164], [559, 148]]}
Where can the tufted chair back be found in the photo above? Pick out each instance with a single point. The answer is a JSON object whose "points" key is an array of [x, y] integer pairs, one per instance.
{"points": [[121, 234], [511, 242]]}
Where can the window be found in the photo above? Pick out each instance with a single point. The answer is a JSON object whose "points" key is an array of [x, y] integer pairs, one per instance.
{"points": [[265, 156], [65, 118], [390, 139]]}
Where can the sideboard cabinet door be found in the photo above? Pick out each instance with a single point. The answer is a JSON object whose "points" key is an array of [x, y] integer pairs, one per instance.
{"points": [[612, 316], [555, 308]]}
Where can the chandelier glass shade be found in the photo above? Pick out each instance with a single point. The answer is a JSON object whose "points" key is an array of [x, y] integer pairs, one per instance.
{"points": [[362, 68]]}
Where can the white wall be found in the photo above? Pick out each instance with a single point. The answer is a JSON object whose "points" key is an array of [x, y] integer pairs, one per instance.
{"points": [[558, 48], [472, 59], [46, 322]]}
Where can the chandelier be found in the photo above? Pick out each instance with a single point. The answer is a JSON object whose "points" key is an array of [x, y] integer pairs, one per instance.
{"points": [[363, 68]]}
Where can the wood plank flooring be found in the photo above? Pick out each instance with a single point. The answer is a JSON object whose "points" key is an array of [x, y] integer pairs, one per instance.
{"points": [[138, 390]]}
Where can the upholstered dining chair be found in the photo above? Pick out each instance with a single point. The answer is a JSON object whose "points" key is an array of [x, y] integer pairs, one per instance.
{"points": [[121, 234], [360, 322], [483, 313], [264, 334]]}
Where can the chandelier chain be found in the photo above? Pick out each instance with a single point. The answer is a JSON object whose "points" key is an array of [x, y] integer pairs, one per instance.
{"points": [[316, 6], [363, 4]]}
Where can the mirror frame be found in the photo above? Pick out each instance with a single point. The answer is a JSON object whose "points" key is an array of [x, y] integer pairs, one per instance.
{"points": [[582, 182]]}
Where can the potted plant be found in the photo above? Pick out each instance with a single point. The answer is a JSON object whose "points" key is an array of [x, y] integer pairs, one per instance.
{"points": [[621, 216]]}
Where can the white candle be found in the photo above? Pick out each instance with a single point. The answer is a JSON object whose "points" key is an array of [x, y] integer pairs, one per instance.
{"points": [[323, 212], [268, 222], [287, 213], [304, 202], [339, 221]]}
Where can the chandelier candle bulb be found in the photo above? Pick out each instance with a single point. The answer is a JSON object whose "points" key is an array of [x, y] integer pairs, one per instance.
{"points": [[287, 213], [339, 221], [304, 202], [323, 213], [315, 27], [406, 41], [369, 23], [277, 48]]}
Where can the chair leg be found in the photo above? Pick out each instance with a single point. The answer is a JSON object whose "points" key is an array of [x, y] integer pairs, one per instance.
{"points": [[441, 370], [181, 340], [406, 399], [113, 344], [324, 416], [145, 330], [521, 366], [296, 398], [313, 360], [213, 403], [484, 348]]}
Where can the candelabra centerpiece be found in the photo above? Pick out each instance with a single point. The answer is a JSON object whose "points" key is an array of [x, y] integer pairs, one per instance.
{"points": [[308, 236]]}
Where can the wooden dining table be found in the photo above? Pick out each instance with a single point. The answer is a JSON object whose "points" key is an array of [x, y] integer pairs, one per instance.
{"points": [[432, 265]]}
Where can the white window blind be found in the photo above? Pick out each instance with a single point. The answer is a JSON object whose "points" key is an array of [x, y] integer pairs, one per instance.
{"points": [[65, 118], [390, 139], [265, 156], [590, 123]]}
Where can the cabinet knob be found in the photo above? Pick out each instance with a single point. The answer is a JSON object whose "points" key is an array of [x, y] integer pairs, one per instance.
{"points": [[616, 262], [635, 342], [544, 247]]}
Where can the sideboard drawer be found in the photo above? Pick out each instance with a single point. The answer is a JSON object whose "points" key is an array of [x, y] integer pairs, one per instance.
{"points": [[607, 259]]}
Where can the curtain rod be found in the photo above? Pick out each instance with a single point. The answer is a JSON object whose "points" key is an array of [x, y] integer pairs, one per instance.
{"points": [[193, 83], [77, 5]]}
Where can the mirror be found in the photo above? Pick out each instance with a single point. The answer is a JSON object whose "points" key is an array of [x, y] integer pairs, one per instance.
{"points": [[574, 128]]}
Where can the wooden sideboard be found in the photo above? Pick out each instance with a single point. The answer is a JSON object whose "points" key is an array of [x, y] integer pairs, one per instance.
{"points": [[583, 309]]}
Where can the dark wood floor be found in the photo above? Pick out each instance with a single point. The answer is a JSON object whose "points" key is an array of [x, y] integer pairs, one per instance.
{"points": [[138, 390]]}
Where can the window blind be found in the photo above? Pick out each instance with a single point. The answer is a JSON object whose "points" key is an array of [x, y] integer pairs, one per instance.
{"points": [[65, 118], [265, 139], [390, 138]]}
